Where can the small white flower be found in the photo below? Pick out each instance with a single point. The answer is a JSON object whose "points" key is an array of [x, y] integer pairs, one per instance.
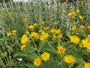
{"points": [[19, 59]]}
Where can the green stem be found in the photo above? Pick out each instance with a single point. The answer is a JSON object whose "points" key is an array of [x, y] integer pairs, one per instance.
{"points": [[51, 47], [35, 44], [36, 48]]}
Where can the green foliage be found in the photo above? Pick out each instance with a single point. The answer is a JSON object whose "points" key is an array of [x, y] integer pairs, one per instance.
{"points": [[4, 0], [16, 20]]}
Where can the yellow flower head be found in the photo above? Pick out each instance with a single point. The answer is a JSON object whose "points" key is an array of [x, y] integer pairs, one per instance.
{"points": [[44, 36], [53, 30], [23, 46], [83, 31], [82, 27], [73, 13], [82, 1], [35, 24], [54, 37], [74, 28], [9, 34], [80, 17], [80, 44], [64, 4], [77, 34], [37, 62], [27, 32], [24, 39], [25, 19], [88, 27], [45, 28], [34, 35], [31, 27], [61, 50], [86, 43], [60, 36], [88, 35], [57, 31], [45, 56], [14, 31], [69, 14], [78, 11], [86, 65], [69, 59], [40, 31], [74, 39], [38, 24], [42, 23]]}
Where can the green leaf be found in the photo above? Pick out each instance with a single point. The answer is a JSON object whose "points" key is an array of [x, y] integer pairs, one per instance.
{"points": [[68, 33], [20, 54], [2, 64], [10, 48], [3, 54], [28, 56]]}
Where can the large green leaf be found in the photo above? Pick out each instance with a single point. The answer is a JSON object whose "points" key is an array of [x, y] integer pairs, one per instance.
{"points": [[3, 54]]}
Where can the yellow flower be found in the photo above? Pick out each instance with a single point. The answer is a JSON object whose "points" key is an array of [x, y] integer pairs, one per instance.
{"points": [[53, 30], [42, 23], [44, 36], [69, 14], [64, 4], [78, 11], [45, 28], [82, 1], [88, 38], [74, 28], [57, 31], [24, 39], [86, 43], [31, 27], [73, 13], [23, 46], [86, 65], [40, 31], [38, 24], [60, 36], [45, 56], [37, 62], [54, 37], [88, 27], [74, 39], [80, 17], [14, 31], [77, 34], [27, 32], [35, 24], [25, 19], [69, 59], [82, 27], [9, 34], [88, 35], [83, 31], [34, 35], [61, 50], [80, 44]]}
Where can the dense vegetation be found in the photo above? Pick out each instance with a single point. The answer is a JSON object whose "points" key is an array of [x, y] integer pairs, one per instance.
{"points": [[45, 35]]}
